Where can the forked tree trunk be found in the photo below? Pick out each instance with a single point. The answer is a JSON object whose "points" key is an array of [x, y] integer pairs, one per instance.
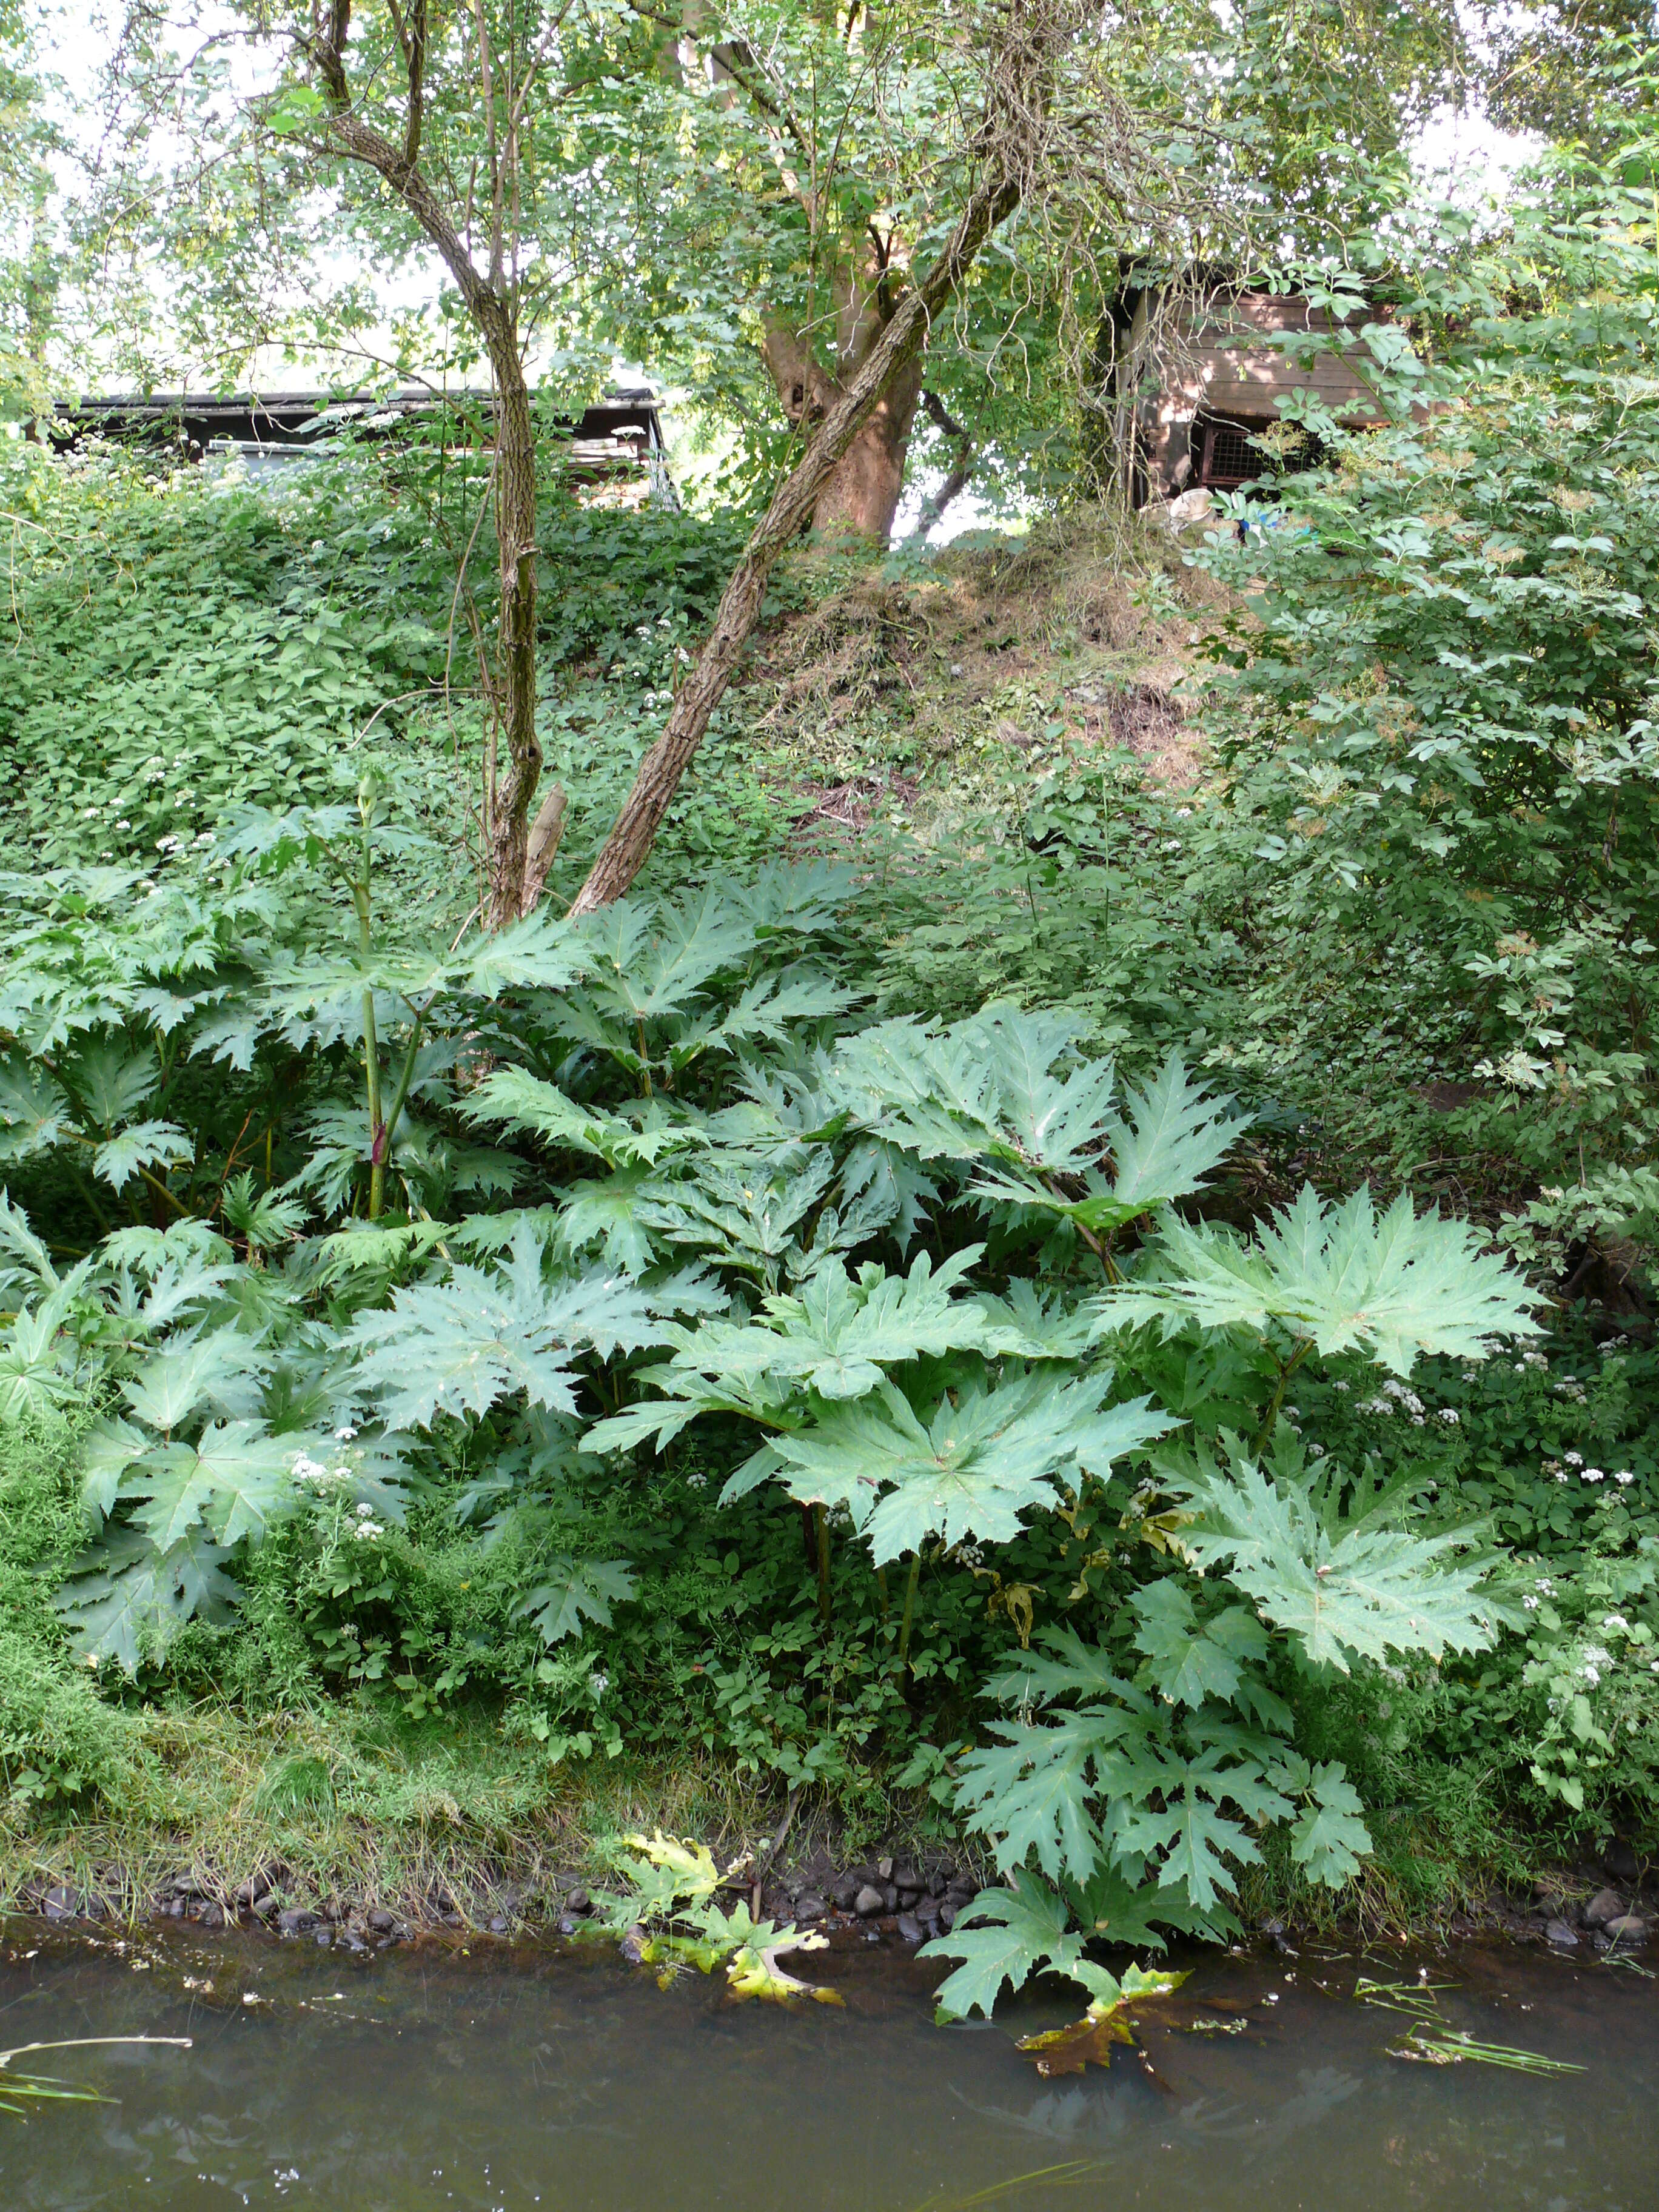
{"points": [[896, 350], [510, 783]]}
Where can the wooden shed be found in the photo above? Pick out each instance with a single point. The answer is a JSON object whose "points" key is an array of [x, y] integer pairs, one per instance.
{"points": [[1209, 380]]}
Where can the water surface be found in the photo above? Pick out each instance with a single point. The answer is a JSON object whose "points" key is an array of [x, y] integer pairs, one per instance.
{"points": [[494, 2081]]}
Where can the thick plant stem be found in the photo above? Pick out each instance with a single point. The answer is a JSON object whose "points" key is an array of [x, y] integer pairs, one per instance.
{"points": [[821, 1533], [400, 1095], [1264, 1434], [909, 1613], [360, 892]]}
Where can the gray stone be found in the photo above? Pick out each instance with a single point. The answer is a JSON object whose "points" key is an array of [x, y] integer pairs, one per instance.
{"points": [[348, 1940], [810, 1906], [262, 1907], [947, 1916], [633, 1944], [298, 1920], [381, 1921], [1563, 1937], [323, 1938], [579, 1901], [868, 1903], [1629, 1928], [928, 1912], [247, 1893], [567, 1925], [883, 1869], [910, 1927], [498, 1925], [846, 1892], [59, 1903], [1607, 1904]]}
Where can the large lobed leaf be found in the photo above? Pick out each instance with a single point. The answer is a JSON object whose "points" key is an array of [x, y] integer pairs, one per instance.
{"points": [[987, 1455], [1396, 1286], [458, 1347], [1346, 1590]]}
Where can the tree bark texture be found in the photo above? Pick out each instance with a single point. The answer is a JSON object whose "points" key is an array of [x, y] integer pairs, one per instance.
{"points": [[862, 491], [489, 302], [896, 350]]}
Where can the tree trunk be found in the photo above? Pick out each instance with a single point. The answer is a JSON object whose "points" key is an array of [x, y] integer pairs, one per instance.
{"points": [[490, 301], [863, 493], [897, 348], [507, 825]]}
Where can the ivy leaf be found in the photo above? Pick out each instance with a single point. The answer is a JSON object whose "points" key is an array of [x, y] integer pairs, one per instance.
{"points": [[1329, 1838], [1003, 1935], [574, 1590]]}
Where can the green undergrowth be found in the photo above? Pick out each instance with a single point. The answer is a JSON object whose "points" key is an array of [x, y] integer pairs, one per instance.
{"points": [[1066, 1281]]}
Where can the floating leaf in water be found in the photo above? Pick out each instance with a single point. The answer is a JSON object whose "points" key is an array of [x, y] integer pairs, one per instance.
{"points": [[754, 1972], [1090, 2040]]}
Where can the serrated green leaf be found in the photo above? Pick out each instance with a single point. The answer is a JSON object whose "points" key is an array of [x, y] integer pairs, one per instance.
{"points": [[1362, 1594], [458, 1347], [1006, 1936], [1330, 1839], [987, 1457], [1395, 1287], [141, 1145], [1189, 1660], [571, 1591]]}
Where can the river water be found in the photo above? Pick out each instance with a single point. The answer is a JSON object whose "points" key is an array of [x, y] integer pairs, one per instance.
{"points": [[490, 2081]]}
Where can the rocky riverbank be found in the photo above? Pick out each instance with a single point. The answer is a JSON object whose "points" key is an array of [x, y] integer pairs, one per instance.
{"points": [[903, 1897]]}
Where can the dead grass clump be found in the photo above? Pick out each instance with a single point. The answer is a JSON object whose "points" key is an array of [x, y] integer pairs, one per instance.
{"points": [[848, 650]]}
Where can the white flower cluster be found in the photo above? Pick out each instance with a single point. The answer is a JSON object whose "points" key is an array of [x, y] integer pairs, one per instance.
{"points": [[1394, 1397], [696, 1480], [366, 1526], [598, 1683], [311, 1474]]}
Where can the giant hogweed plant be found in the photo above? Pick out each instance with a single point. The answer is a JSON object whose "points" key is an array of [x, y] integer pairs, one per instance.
{"points": [[931, 1283]]}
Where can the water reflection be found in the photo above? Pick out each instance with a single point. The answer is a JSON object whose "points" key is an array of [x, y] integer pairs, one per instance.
{"points": [[491, 2084]]}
